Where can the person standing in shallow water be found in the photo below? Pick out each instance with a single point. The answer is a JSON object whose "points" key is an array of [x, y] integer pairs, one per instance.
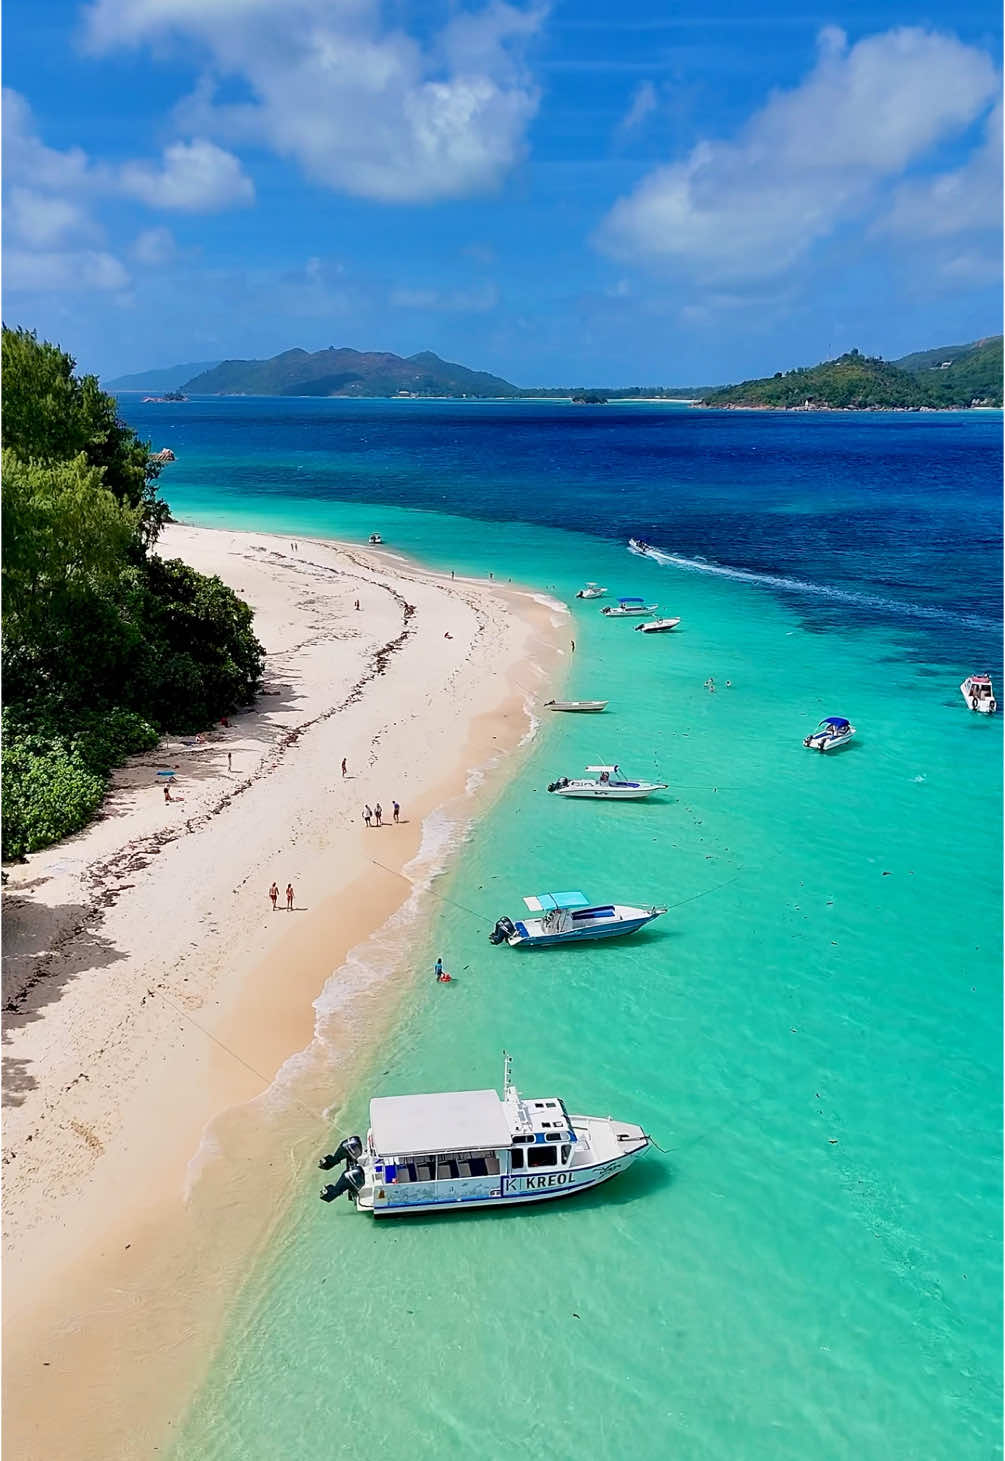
{"points": [[289, 897], [274, 894]]}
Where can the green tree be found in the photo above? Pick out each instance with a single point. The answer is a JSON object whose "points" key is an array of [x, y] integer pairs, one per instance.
{"points": [[50, 415]]}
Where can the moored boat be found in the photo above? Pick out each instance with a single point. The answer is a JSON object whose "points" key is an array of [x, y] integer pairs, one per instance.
{"points": [[832, 732], [609, 784], [979, 694], [374, 539], [626, 606], [591, 591], [453, 1150], [584, 707], [570, 918], [657, 626]]}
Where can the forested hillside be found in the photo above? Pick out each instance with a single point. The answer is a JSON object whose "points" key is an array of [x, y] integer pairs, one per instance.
{"points": [[105, 644]]}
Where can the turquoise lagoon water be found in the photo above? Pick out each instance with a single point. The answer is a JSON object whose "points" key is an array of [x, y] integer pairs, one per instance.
{"points": [[813, 1032]]}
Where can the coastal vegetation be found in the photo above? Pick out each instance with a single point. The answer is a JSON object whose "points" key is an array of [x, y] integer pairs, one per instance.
{"points": [[970, 375], [105, 644]]}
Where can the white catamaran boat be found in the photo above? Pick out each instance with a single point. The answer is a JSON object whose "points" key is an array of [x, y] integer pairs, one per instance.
{"points": [[460, 1149], [592, 707], [830, 733], [657, 626], [624, 607], [569, 918], [979, 694], [591, 591], [611, 784]]}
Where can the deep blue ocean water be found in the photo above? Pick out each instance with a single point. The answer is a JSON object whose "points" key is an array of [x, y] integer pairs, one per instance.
{"points": [[813, 1270]]}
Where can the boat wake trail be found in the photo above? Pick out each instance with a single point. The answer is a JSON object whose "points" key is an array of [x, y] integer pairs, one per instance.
{"points": [[818, 590]]}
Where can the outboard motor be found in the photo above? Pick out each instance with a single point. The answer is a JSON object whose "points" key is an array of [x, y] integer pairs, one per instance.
{"points": [[350, 1182], [502, 931], [347, 1151]]}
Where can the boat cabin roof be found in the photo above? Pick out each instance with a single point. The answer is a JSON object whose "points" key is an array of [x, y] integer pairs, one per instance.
{"points": [[546, 902], [444, 1122], [836, 722], [603, 768], [623, 600]]}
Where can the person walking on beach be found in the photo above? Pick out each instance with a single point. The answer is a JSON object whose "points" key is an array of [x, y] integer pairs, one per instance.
{"points": [[378, 812], [343, 766], [573, 643], [289, 897], [230, 761], [367, 815], [357, 603], [396, 809], [274, 894]]}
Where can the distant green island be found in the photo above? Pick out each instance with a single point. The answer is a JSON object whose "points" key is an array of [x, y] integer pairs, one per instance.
{"points": [[949, 378]]}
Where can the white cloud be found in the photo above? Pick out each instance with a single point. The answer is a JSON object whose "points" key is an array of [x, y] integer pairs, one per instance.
{"points": [[41, 271], [644, 102], [194, 177], [808, 160], [461, 301], [361, 107], [154, 246], [966, 200], [42, 220]]}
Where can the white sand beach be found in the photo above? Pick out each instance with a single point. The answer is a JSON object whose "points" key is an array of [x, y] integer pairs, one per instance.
{"points": [[152, 994]]}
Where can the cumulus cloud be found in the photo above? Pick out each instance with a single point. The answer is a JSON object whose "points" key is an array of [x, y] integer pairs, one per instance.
{"points": [[45, 271], [193, 177], [42, 220], [154, 246], [964, 200], [808, 160], [360, 106]]}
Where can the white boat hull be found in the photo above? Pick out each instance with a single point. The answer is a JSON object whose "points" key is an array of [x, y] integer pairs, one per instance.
{"points": [[597, 791], [823, 741], [657, 626], [614, 1146], [582, 707], [979, 697], [591, 593], [580, 926], [612, 613]]}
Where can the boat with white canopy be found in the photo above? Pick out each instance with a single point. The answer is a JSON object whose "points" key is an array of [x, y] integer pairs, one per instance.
{"points": [[979, 694], [628, 606], [591, 591], [609, 784], [570, 917], [831, 733], [374, 539], [584, 707], [454, 1150], [657, 626]]}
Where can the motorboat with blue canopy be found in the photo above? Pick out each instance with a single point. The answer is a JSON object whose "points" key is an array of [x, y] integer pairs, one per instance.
{"points": [[628, 606], [570, 918], [832, 732]]}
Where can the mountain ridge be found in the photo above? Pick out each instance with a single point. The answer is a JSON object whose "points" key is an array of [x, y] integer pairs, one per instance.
{"points": [[347, 372]]}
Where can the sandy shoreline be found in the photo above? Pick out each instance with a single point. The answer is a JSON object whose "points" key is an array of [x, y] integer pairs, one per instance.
{"points": [[151, 995]]}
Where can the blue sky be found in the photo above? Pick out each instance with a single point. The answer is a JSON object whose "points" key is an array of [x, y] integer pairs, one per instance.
{"points": [[561, 193]]}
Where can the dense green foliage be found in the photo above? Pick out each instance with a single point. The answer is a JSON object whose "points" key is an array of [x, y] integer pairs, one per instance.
{"points": [[105, 644], [857, 382]]}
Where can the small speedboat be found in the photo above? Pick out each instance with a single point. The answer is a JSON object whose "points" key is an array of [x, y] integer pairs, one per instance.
{"points": [[454, 1150], [639, 545], [611, 784], [657, 626], [591, 591], [584, 707], [624, 607], [979, 694], [832, 732], [374, 539], [567, 918]]}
